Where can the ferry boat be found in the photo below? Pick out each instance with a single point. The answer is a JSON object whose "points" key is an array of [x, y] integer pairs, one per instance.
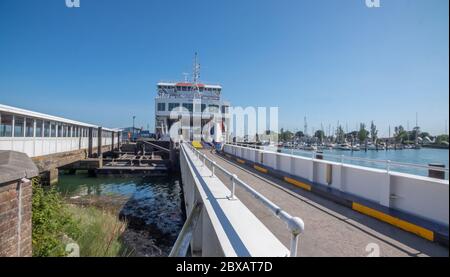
{"points": [[199, 102]]}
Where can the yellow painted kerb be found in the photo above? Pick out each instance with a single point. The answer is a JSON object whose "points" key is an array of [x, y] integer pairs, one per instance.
{"points": [[261, 169], [297, 183], [240, 161], [197, 144], [420, 231]]}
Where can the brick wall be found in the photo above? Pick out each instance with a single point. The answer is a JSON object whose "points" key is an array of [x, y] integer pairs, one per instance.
{"points": [[15, 218]]}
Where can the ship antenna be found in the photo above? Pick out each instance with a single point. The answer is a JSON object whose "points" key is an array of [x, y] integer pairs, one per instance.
{"points": [[196, 70]]}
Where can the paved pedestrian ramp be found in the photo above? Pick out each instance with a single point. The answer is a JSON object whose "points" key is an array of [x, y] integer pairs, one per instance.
{"points": [[330, 228]]}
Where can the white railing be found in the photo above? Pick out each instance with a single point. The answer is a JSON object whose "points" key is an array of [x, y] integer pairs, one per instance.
{"points": [[294, 224], [386, 164]]}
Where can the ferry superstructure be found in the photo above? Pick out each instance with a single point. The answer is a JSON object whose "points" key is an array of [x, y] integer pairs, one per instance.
{"points": [[198, 101]]}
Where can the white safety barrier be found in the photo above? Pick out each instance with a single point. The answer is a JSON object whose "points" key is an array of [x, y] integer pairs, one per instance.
{"points": [[422, 196]]}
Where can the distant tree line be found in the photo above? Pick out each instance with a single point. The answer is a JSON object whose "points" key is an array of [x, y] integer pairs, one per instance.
{"points": [[363, 135]]}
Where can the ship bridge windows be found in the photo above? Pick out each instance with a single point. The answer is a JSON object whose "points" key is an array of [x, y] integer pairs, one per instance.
{"points": [[173, 106], [6, 125], [161, 107], [225, 109], [188, 106]]}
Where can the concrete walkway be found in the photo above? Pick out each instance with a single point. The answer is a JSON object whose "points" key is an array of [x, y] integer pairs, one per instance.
{"points": [[330, 229]]}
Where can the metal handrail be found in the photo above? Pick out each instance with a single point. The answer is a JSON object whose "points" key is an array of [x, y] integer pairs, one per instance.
{"points": [[345, 157], [295, 224], [181, 245]]}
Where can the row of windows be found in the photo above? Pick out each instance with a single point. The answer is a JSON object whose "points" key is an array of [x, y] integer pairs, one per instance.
{"points": [[19, 126], [187, 88], [189, 106]]}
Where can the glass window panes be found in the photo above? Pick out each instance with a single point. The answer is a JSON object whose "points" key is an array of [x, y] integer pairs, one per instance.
{"points": [[188, 106], [39, 128], [161, 107], [6, 125], [19, 126], [29, 127], [59, 129], [172, 106], [53, 129]]}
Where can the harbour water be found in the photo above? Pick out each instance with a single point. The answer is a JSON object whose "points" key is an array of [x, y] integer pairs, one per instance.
{"points": [[421, 157], [152, 207]]}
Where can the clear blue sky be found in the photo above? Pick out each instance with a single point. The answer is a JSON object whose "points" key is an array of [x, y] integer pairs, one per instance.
{"points": [[329, 60]]}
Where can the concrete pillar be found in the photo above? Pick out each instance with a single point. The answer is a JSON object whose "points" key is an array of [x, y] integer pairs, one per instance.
{"points": [[99, 144], [53, 176], [90, 135]]}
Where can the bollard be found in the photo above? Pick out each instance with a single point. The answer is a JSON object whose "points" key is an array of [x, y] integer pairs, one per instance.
{"points": [[436, 173]]}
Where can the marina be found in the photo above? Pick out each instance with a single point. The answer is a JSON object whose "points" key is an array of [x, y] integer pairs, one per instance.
{"points": [[223, 137], [187, 190], [413, 161]]}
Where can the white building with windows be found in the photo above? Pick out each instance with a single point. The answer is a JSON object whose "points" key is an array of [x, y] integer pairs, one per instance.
{"points": [[38, 134]]}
